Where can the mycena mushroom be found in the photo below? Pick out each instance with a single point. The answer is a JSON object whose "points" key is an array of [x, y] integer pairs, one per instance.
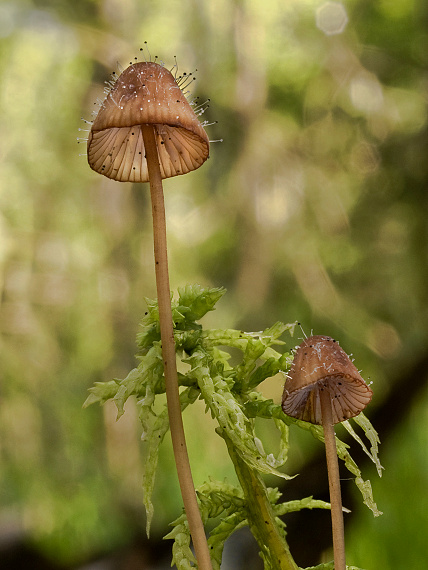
{"points": [[146, 131], [146, 128], [324, 387]]}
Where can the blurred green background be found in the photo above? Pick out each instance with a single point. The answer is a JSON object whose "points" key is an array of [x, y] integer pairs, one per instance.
{"points": [[313, 208]]}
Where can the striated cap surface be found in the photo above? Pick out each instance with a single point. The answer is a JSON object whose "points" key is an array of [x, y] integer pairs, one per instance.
{"points": [[321, 364], [146, 94]]}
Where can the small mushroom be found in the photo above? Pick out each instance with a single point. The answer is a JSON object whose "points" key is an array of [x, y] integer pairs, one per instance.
{"points": [[146, 131], [324, 387]]}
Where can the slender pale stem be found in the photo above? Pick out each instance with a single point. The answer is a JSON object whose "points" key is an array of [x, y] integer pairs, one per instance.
{"points": [[333, 481], [168, 352]]}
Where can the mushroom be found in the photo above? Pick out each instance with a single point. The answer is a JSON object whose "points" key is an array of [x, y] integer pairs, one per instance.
{"points": [[146, 99], [146, 131], [324, 387]]}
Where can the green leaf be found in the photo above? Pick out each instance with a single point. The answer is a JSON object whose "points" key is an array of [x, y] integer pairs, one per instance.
{"points": [[239, 339], [221, 499], [127, 387], [218, 536], [371, 435], [254, 350], [148, 336], [298, 505], [182, 556], [102, 392], [187, 340], [149, 372], [222, 496], [269, 368], [365, 488], [194, 301], [154, 438], [284, 445], [154, 433]]}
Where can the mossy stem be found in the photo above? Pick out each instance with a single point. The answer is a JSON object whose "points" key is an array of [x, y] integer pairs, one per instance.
{"points": [[333, 481], [168, 352], [261, 518]]}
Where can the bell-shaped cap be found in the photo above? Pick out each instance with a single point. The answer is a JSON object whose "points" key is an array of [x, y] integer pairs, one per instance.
{"points": [[321, 364], [146, 94]]}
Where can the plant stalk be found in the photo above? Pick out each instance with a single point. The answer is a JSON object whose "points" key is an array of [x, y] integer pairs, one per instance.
{"points": [[333, 481], [168, 352], [261, 518]]}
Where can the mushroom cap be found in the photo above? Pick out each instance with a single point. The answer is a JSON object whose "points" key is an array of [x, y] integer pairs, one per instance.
{"points": [[321, 364], [146, 94]]}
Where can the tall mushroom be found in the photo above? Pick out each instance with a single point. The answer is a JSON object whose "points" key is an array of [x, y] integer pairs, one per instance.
{"points": [[324, 387], [145, 131]]}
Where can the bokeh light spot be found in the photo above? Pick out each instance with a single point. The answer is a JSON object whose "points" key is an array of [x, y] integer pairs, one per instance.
{"points": [[366, 93], [331, 18]]}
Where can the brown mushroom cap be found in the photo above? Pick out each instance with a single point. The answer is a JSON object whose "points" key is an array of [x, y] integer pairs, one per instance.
{"points": [[321, 364], [146, 93]]}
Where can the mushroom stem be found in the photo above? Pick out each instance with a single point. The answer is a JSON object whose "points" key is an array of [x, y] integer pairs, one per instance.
{"points": [[168, 352], [333, 480]]}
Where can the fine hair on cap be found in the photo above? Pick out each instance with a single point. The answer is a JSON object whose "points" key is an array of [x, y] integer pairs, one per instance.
{"points": [[321, 364], [146, 93]]}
